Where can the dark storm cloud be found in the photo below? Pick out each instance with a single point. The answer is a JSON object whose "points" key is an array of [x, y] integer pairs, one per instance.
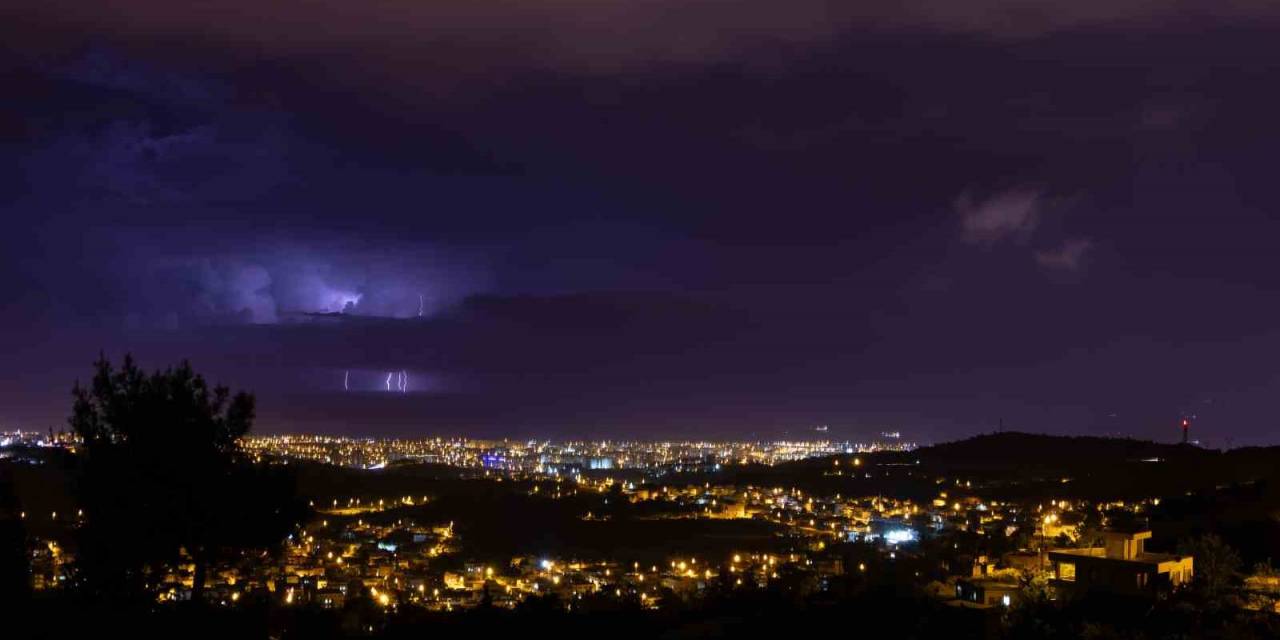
{"points": [[153, 185], [107, 132], [644, 218], [599, 34], [626, 355], [135, 161]]}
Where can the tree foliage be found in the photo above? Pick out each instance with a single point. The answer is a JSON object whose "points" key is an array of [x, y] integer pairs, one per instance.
{"points": [[172, 410], [164, 481], [15, 571], [1217, 565]]}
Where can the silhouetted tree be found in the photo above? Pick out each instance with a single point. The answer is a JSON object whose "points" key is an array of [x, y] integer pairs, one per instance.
{"points": [[15, 569], [1033, 610], [1217, 565], [163, 477]]}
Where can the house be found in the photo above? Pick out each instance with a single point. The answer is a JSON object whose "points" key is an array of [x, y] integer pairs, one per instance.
{"points": [[1121, 566], [986, 592]]}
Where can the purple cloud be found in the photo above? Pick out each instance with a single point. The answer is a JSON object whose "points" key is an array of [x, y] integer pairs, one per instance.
{"points": [[1008, 215], [1068, 256], [598, 34]]}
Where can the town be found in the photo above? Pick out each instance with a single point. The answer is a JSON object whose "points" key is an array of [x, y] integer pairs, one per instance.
{"points": [[705, 525]]}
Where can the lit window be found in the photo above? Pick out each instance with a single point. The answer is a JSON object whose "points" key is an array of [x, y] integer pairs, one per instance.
{"points": [[1067, 571]]}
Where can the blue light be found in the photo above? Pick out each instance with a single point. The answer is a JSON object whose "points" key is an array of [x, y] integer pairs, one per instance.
{"points": [[898, 536]]}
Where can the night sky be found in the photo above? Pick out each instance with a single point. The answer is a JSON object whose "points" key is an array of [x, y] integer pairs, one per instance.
{"points": [[652, 219]]}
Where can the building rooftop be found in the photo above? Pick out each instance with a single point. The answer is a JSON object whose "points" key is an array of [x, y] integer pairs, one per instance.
{"points": [[1101, 552]]}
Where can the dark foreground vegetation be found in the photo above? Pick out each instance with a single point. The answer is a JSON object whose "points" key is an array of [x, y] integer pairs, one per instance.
{"points": [[876, 608]]}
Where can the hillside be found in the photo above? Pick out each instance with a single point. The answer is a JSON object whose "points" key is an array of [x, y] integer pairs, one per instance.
{"points": [[1013, 465]]}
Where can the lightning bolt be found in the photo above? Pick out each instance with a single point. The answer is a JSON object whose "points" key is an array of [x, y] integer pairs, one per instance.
{"points": [[421, 305], [346, 380], [389, 381], [404, 382]]}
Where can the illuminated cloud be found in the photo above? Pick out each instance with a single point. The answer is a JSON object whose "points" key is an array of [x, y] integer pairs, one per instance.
{"points": [[233, 291], [272, 281], [1008, 215], [1014, 217], [1068, 256]]}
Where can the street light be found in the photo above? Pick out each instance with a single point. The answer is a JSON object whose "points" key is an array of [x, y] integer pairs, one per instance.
{"points": [[1043, 526]]}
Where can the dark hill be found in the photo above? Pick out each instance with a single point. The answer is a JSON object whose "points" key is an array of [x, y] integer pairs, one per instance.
{"points": [[1011, 465], [1016, 450]]}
